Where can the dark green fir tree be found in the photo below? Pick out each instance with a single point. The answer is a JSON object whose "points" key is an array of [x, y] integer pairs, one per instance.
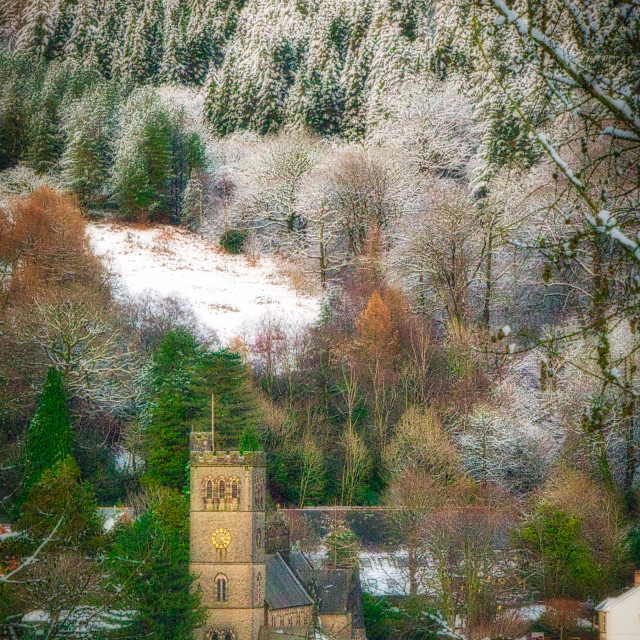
{"points": [[49, 438], [159, 590]]}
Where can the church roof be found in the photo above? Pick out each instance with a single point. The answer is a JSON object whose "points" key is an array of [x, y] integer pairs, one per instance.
{"points": [[302, 568], [283, 589], [333, 590]]}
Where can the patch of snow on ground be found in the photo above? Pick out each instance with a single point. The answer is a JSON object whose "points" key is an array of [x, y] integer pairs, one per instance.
{"points": [[228, 294]]}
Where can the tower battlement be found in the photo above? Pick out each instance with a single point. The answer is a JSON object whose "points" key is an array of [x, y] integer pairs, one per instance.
{"points": [[202, 453]]}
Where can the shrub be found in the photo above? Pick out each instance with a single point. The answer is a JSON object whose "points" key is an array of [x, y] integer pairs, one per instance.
{"points": [[233, 240]]}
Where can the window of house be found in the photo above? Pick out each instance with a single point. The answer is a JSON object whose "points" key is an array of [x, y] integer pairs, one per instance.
{"points": [[209, 490], [221, 489], [234, 489], [221, 585]]}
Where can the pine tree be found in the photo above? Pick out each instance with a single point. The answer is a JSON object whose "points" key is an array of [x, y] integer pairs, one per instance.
{"points": [[354, 83], [198, 43], [61, 19], [173, 67], [140, 59], [35, 34], [224, 375], [175, 363], [78, 45], [143, 163], [88, 154], [159, 590], [49, 438]]}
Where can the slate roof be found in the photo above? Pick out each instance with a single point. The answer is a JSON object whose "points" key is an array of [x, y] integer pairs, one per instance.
{"points": [[283, 589], [302, 568], [333, 587]]}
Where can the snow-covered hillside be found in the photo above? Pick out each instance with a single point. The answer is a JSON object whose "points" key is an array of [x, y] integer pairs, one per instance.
{"points": [[228, 294]]}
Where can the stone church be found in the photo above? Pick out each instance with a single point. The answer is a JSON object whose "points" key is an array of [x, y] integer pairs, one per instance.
{"points": [[254, 586]]}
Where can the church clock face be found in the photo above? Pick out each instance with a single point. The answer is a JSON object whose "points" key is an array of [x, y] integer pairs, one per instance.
{"points": [[220, 538]]}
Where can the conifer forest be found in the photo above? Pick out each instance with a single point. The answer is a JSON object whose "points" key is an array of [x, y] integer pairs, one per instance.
{"points": [[394, 244]]}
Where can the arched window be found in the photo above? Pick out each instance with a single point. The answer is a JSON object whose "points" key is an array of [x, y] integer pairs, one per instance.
{"points": [[221, 585], [221, 489], [259, 538], [234, 489], [215, 636], [228, 636], [209, 492]]}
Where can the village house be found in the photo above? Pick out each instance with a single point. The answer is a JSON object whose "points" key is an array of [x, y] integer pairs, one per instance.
{"points": [[619, 617]]}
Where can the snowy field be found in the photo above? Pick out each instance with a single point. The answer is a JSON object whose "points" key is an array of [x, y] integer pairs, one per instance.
{"points": [[228, 294]]}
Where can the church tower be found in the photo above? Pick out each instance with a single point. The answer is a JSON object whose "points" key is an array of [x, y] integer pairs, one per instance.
{"points": [[227, 511]]}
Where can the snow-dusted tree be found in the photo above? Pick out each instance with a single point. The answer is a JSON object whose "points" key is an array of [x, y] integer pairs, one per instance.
{"points": [[514, 444], [439, 252], [352, 190], [35, 33], [267, 189], [79, 45], [90, 130], [172, 68], [317, 100], [434, 126], [140, 57]]}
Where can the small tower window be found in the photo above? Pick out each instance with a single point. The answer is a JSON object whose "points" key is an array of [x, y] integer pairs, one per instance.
{"points": [[221, 489], [259, 587], [259, 538], [221, 584], [234, 489], [209, 490]]}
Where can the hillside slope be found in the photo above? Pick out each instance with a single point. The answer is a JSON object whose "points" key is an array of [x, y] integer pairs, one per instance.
{"points": [[228, 294]]}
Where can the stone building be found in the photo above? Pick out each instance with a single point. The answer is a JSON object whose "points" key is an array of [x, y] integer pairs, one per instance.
{"points": [[254, 586]]}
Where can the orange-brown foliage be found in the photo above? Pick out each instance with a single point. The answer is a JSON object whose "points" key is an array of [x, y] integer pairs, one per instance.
{"points": [[44, 238]]}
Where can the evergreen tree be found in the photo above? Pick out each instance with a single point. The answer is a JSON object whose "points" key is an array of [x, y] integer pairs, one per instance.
{"points": [[224, 375], [143, 163], [78, 46], [199, 43], [354, 83], [173, 67], [35, 34], [49, 438], [175, 363], [61, 19], [159, 590], [88, 154], [569, 567], [60, 496], [141, 54]]}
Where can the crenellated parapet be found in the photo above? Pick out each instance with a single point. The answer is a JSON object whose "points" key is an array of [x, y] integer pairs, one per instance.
{"points": [[202, 454]]}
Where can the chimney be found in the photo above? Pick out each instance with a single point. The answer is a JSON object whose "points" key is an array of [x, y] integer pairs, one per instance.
{"points": [[636, 579]]}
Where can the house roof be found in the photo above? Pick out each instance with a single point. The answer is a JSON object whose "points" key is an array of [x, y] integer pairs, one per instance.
{"points": [[283, 589], [609, 603]]}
